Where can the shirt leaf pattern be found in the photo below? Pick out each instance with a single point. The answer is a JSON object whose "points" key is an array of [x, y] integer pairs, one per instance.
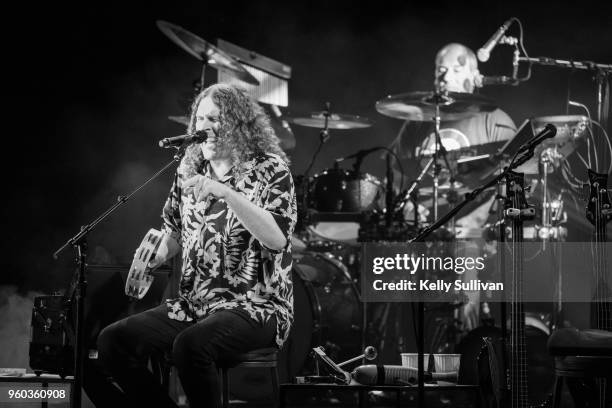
{"points": [[223, 264]]}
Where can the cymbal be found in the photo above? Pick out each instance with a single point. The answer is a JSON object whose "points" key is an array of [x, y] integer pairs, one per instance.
{"points": [[202, 49], [284, 134], [570, 130], [421, 105], [335, 121], [443, 188], [569, 127], [181, 120]]}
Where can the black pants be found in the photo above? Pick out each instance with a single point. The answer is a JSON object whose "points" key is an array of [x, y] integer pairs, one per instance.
{"points": [[125, 347]]}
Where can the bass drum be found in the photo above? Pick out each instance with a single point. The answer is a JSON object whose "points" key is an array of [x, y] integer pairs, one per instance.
{"points": [[327, 312], [540, 365]]}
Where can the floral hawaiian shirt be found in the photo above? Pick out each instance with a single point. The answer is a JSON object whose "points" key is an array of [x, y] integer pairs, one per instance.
{"points": [[224, 266]]}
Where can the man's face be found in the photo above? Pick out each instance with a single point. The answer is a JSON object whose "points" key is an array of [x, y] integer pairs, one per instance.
{"points": [[459, 76], [207, 119]]}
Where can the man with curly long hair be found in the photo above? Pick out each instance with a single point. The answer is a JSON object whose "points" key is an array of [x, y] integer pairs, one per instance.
{"points": [[230, 213]]}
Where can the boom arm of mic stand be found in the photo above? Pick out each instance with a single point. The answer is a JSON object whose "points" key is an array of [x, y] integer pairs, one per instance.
{"points": [[122, 199], [469, 197], [79, 241]]}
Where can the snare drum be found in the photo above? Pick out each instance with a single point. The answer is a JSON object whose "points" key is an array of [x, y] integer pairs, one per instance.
{"points": [[340, 190]]}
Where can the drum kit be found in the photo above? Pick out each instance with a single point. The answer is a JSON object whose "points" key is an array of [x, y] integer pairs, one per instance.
{"points": [[338, 208]]}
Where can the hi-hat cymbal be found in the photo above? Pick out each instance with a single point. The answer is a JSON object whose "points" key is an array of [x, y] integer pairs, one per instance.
{"points": [[569, 127], [570, 130], [203, 50], [335, 121], [421, 105]]}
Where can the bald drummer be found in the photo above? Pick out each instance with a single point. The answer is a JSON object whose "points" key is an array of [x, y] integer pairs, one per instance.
{"points": [[456, 69]]}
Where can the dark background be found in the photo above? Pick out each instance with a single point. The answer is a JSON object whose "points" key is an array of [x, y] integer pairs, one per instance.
{"points": [[90, 87]]}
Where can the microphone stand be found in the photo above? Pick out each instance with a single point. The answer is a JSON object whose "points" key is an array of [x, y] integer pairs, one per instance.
{"points": [[437, 224], [603, 72], [79, 242], [469, 197]]}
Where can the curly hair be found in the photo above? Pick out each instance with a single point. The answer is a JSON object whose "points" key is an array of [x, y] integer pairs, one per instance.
{"points": [[244, 126]]}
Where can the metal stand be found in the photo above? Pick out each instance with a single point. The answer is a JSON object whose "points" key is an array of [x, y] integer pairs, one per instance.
{"points": [[79, 242], [323, 138]]}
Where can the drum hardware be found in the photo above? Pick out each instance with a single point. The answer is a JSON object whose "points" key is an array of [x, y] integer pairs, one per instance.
{"points": [[284, 133], [369, 353], [571, 131], [181, 120], [343, 191], [204, 51], [327, 120], [421, 106], [338, 374], [438, 105]]}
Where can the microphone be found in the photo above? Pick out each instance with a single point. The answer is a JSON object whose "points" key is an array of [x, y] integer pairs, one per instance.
{"points": [[498, 80], [197, 137], [546, 133], [484, 52], [394, 374], [360, 154]]}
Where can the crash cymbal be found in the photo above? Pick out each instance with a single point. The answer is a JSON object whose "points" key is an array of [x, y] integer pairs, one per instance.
{"points": [[571, 129], [205, 51], [181, 120], [335, 121], [421, 105], [284, 134]]}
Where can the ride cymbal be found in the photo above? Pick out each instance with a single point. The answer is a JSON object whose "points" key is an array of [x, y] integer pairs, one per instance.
{"points": [[421, 105]]}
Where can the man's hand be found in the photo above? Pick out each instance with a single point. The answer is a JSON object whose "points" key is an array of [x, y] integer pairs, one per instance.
{"points": [[203, 187]]}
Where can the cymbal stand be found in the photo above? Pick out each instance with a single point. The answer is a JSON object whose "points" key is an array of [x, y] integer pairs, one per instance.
{"points": [[439, 98], [411, 192], [201, 86], [79, 242], [323, 137]]}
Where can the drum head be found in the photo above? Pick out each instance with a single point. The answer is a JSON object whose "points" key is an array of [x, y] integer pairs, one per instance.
{"points": [[339, 190]]}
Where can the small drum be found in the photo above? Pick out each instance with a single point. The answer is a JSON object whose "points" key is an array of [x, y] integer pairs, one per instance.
{"points": [[340, 190], [327, 312]]}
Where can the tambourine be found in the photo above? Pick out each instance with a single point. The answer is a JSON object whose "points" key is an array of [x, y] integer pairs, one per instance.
{"points": [[139, 278]]}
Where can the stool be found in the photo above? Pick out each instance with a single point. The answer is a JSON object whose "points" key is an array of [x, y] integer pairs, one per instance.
{"points": [[580, 354], [260, 358]]}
